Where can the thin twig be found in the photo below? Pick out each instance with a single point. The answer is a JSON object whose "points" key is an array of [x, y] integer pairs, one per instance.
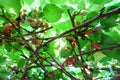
{"points": [[78, 46], [62, 68], [25, 73], [115, 11], [102, 50]]}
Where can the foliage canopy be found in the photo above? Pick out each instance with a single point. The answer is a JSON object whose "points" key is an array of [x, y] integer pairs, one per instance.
{"points": [[59, 39]]}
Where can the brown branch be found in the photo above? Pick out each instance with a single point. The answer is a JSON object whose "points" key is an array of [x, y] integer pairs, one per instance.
{"points": [[13, 39], [15, 70], [62, 68], [98, 78], [27, 68], [25, 73], [28, 47], [40, 64], [78, 46], [47, 65], [113, 68], [58, 66], [5, 17], [38, 59], [32, 33], [71, 18], [115, 11], [105, 68], [14, 24], [23, 54], [102, 50], [34, 61]]}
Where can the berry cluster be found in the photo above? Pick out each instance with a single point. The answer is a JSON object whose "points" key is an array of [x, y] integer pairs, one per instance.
{"points": [[8, 30]]}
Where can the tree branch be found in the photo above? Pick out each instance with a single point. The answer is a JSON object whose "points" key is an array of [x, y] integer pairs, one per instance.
{"points": [[78, 45], [102, 50], [115, 11], [62, 68]]}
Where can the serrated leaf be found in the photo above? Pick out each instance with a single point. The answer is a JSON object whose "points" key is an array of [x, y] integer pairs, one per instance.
{"points": [[52, 12], [21, 63]]}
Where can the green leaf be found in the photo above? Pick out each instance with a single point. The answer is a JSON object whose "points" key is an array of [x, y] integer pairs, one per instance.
{"points": [[50, 48], [11, 4], [21, 63], [58, 1], [78, 65], [58, 74], [87, 46], [17, 47], [81, 4], [98, 56], [91, 15], [4, 73], [66, 53], [107, 40], [96, 37], [113, 54], [62, 26], [105, 60], [84, 42], [95, 8], [52, 12], [90, 58], [108, 22], [99, 2], [8, 47], [15, 56], [114, 34], [26, 2], [113, 6], [2, 59]]}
